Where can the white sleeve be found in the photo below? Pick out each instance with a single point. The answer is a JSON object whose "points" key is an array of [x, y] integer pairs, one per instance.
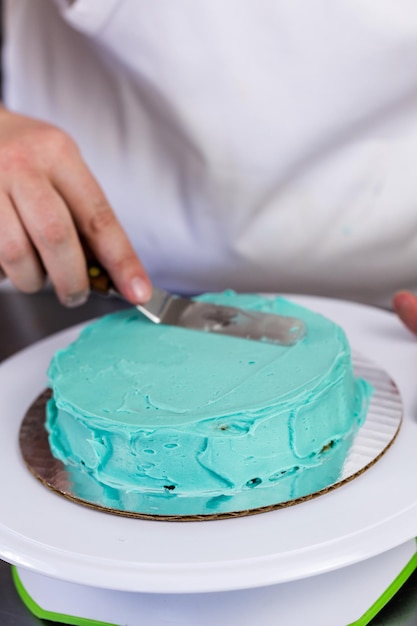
{"points": [[87, 15]]}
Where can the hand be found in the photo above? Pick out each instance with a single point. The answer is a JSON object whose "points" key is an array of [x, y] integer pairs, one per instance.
{"points": [[49, 203], [405, 305]]}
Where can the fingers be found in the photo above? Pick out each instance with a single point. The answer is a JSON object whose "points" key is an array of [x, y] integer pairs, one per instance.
{"points": [[18, 259], [46, 217], [405, 305], [97, 223], [49, 204]]}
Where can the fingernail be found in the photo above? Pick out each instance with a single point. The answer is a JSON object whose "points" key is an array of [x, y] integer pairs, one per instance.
{"points": [[141, 290], [76, 299]]}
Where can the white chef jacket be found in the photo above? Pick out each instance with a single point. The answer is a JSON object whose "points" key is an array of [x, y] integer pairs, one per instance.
{"points": [[262, 145]]}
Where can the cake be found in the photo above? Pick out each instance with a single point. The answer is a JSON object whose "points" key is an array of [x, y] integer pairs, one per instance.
{"points": [[162, 420]]}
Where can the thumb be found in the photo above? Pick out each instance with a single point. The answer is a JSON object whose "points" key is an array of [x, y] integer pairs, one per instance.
{"points": [[405, 306]]}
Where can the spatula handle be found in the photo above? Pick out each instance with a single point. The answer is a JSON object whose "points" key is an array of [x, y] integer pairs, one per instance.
{"points": [[99, 279]]}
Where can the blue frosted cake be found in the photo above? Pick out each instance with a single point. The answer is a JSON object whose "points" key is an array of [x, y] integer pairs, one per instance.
{"points": [[179, 422]]}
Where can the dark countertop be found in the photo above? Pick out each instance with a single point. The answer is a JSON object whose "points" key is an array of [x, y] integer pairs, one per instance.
{"points": [[26, 319]]}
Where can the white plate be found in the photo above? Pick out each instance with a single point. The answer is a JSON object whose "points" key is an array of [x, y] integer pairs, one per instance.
{"points": [[46, 533]]}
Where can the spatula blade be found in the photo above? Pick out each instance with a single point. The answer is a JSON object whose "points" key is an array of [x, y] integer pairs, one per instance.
{"points": [[164, 308]]}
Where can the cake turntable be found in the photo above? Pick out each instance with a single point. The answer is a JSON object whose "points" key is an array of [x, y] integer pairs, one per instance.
{"points": [[356, 589], [331, 549]]}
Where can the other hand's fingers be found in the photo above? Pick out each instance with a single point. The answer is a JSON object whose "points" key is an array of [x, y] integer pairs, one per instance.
{"points": [[18, 259], [48, 221], [98, 224], [405, 305]]}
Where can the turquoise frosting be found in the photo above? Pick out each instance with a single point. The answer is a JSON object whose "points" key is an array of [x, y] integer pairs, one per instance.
{"points": [[165, 420]]}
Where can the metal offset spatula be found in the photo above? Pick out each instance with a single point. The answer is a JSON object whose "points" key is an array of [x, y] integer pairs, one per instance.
{"points": [[165, 308]]}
